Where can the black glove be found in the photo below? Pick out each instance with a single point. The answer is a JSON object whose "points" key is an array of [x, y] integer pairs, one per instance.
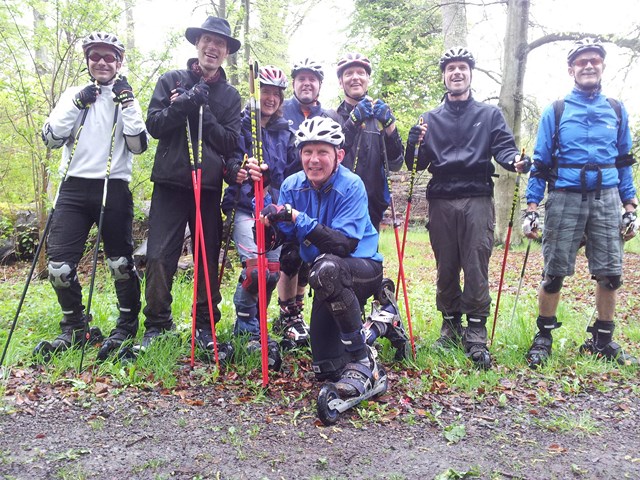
{"points": [[527, 163], [414, 135], [277, 213], [122, 91], [199, 94], [383, 114], [86, 96], [362, 111]]}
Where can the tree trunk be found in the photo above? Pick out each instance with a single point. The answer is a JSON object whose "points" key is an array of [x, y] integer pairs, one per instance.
{"points": [[511, 100], [130, 42], [454, 23]]}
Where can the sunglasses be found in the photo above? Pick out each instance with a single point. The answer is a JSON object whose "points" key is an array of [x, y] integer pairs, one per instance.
{"points": [[108, 58], [583, 62]]}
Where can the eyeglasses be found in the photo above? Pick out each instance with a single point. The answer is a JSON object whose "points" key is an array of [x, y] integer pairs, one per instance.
{"points": [[96, 57], [583, 62]]}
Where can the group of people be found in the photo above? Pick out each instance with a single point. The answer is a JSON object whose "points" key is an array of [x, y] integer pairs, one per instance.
{"points": [[325, 174]]}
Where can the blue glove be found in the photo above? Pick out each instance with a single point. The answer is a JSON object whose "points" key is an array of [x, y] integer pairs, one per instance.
{"points": [[362, 111], [414, 135], [383, 113], [199, 94]]}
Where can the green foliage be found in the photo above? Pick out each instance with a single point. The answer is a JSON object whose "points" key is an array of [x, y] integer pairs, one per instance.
{"points": [[406, 47]]}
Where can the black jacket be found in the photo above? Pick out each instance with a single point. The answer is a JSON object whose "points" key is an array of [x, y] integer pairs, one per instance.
{"points": [[365, 142], [461, 139], [167, 122]]}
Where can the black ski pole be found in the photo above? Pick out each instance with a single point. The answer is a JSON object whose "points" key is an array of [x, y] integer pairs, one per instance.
{"points": [[43, 236], [524, 266], [94, 265]]}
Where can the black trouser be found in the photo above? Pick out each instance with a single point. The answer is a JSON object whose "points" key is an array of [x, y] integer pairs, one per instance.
{"points": [[171, 210], [328, 323], [76, 211]]}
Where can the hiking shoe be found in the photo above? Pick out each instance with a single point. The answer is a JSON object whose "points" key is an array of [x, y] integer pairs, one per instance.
{"points": [[70, 336], [273, 352], [539, 351], [474, 340], [451, 333], [611, 351]]}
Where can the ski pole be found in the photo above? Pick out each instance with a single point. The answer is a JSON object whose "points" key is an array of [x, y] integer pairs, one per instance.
{"points": [[256, 135], [231, 222], [397, 236], [524, 266], [43, 236], [197, 240], [414, 170], [98, 234], [514, 205]]}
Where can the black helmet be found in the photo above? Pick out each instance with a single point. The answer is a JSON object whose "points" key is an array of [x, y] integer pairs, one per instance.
{"points": [[102, 38], [457, 54], [585, 45]]}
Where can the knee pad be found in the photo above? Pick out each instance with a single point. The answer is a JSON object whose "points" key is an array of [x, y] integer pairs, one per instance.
{"points": [[62, 274], [327, 277], [552, 283], [249, 276], [273, 275], [122, 268], [610, 282], [290, 260]]}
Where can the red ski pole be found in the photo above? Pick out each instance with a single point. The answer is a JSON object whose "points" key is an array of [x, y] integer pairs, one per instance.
{"points": [[507, 241], [414, 171], [397, 235], [256, 134]]}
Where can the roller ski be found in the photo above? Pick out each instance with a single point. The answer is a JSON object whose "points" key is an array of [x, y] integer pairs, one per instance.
{"points": [[384, 321], [290, 325], [129, 352], [72, 335], [357, 383]]}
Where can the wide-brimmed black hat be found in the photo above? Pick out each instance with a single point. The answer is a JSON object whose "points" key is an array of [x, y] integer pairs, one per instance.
{"points": [[218, 26]]}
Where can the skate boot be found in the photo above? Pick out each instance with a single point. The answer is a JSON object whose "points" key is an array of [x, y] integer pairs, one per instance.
{"points": [[273, 352], [540, 349], [384, 321], [450, 332], [204, 341], [291, 325], [150, 335], [475, 342], [358, 382], [72, 334], [601, 344], [126, 329]]}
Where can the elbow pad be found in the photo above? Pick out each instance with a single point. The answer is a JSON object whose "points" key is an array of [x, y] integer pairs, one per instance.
{"points": [[50, 139], [137, 143]]}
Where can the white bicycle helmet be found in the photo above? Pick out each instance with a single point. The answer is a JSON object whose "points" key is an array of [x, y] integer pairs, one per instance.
{"points": [[270, 75], [584, 45], [307, 64], [102, 38], [353, 58], [457, 54], [320, 129]]}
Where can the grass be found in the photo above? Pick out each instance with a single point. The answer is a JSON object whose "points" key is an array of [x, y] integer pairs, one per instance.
{"points": [[160, 365]]}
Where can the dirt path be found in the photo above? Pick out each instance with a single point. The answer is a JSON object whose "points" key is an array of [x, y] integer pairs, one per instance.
{"points": [[215, 433]]}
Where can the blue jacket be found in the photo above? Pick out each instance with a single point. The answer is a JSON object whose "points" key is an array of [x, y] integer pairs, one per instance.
{"points": [[333, 219], [588, 134], [279, 153]]}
